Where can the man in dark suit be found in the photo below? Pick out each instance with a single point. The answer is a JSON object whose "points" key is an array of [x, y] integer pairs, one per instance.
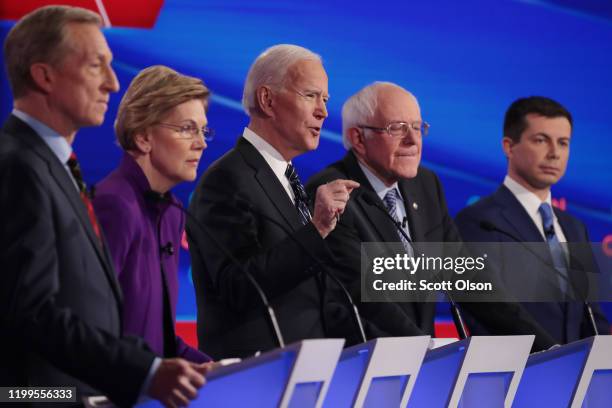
{"points": [[60, 304], [252, 203], [383, 130], [537, 134]]}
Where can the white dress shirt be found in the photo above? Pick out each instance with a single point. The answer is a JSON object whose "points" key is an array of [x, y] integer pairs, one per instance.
{"points": [[381, 190], [274, 159], [531, 203]]}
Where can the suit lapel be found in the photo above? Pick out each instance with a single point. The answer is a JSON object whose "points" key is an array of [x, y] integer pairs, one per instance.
{"points": [[519, 223], [417, 217], [380, 222], [421, 313], [581, 263], [415, 220], [516, 220], [570, 230], [63, 180], [270, 184]]}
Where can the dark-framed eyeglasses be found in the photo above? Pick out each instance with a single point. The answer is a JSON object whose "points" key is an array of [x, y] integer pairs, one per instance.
{"points": [[401, 129], [190, 132]]}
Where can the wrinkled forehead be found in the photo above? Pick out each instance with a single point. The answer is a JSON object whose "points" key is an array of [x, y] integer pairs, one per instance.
{"points": [[85, 39], [307, 72], [395, 104]]}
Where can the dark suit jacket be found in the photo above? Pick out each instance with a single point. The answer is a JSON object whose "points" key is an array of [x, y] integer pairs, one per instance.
{"points": [[60, 304], [566, 322], [428, 222], [228, 202]]}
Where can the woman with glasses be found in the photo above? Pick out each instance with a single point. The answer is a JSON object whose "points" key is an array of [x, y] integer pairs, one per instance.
{"points": [[161, 127]]}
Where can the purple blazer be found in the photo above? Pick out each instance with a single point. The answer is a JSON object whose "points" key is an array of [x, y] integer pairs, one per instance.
{"points": [[129, 222]]}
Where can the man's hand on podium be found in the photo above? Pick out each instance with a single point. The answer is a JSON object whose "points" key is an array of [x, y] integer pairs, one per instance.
{"points": [[177, 381]]}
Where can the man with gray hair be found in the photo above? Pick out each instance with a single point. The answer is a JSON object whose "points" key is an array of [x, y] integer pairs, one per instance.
{"points": [[60, 302], [383, 132], [252, 201]]}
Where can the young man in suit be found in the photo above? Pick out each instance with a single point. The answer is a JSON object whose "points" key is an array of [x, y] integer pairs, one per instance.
{"points": [[60, 303], [383, 132], [252, 203], [536, 142]]}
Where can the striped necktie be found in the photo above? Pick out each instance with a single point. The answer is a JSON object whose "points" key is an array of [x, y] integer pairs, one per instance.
{"points": [[301, 199], [390, 201], [556, 250]]}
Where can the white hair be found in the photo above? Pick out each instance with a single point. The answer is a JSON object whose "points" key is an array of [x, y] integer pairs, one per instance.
{"points": [[270, 68], [360, 108]]}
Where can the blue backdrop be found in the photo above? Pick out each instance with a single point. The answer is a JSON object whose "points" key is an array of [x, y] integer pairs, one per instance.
{"points": [[465, 62]]}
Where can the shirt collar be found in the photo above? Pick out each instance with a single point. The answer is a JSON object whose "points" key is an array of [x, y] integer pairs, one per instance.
{"points": [[57, 143], [528, 200], [274, 159], [377, 184]]}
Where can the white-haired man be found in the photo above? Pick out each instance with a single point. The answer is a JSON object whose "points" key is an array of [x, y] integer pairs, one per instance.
{"points": [[383, 132], [244, 196]]}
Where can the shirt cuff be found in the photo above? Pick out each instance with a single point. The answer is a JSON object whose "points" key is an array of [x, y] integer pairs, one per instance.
{"points": [[144, 391]]}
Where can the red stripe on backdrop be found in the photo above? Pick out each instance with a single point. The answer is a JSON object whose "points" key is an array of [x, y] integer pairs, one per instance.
{"points": [[445, 329], [13, 10], [132, 13], [187, 331]]}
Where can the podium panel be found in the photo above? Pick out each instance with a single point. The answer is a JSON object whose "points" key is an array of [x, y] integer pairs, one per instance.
{"points": [[480, 371], [296, 376], [575, 375], [486, 389], [379, 373]]}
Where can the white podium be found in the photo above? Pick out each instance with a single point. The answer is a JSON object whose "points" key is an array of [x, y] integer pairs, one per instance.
{"points": [[292, 377], [480, 371], [575, 375], [379, 373]]}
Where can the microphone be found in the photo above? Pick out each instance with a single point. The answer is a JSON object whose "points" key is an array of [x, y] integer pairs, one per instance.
{"points": [[245, 205], [457, 317], [489, 226], [156, 197], [167, 249]]}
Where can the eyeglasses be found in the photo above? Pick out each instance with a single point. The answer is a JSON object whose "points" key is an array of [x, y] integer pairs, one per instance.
{"points": [[191, 132], [400, 129]]}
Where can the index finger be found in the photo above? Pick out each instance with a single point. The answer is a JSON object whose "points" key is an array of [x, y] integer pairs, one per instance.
{"points": [[350, 185], [205, 368]]}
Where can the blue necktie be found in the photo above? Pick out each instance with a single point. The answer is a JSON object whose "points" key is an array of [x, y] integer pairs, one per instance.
{"points": [[301, 199], [556, 250], [390, 201]]}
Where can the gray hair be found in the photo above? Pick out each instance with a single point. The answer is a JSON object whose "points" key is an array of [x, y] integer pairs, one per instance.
{"points": [[360, 108], [40, 36], [154, 92], [270, 68]]}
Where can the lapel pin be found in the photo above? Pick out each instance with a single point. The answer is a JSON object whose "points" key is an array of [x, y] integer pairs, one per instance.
{"points": [[415, 206]]}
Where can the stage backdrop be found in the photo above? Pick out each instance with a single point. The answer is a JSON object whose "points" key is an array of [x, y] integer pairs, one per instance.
{"points": [[465, 62]]}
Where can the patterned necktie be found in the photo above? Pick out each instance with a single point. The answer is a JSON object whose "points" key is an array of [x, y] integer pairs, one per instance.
{"points": [[556, 250], [75, 169], [390, 201], [301, 200]]}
